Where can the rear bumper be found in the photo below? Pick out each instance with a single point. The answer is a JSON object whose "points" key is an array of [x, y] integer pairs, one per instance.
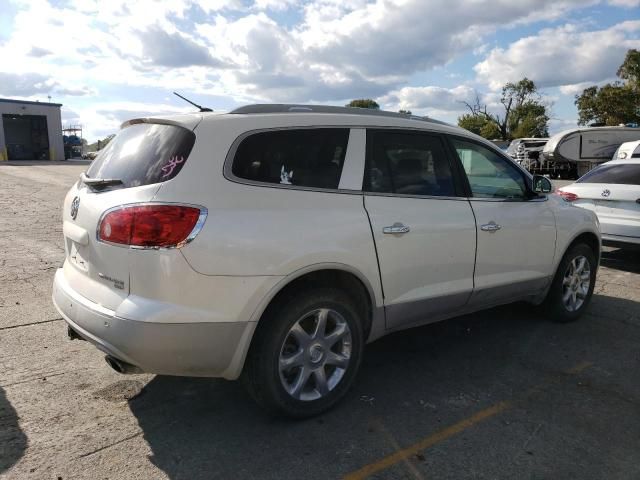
{"points": [[209, 349]]}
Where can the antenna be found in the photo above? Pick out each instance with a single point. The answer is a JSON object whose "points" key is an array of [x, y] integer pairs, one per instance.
{"points": [[202, 109]]}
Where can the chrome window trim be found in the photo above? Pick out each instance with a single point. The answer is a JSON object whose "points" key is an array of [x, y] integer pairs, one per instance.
{"points": [[192, 235], [527, 176], [441, 138], [227, 168], [423, 197], [228, 161], [509, 200], [228, 164]]}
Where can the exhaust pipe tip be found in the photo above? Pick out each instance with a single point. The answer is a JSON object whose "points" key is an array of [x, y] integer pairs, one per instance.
{"points": [[120, 366]]}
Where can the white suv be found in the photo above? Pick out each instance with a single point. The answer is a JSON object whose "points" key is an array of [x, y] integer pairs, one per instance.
{"points": [[273, 242]]}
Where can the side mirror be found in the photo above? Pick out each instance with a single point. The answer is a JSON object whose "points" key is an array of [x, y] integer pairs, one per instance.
{"points": [[542, 184]]}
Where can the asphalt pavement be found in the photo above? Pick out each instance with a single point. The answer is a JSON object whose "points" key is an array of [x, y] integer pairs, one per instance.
{"points": [[499, 394]]}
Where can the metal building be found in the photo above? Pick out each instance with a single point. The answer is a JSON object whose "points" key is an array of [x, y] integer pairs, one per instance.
{"points": [[30, 130]]}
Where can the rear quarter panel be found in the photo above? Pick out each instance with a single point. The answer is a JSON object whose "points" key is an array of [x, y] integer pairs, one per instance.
{"points": [[265, 231]]}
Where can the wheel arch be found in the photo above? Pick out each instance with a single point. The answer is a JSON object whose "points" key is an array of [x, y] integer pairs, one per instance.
{"points": [[338, 275], [588, 237], [326, 274]]}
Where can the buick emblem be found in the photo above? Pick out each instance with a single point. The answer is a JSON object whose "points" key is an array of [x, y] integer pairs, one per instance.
{"points": [[605, 193], [74, 207]]}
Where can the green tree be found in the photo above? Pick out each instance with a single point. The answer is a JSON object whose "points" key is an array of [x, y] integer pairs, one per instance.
{"points": [[490, 131], [525, 114], [363, 103], [406, 112], [99, 144], [474, 123], [529, 120], [613, 103], [629, 71]]}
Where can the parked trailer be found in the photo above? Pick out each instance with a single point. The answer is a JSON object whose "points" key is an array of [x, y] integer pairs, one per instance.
{"points": [[528, 153], [585, 148]]}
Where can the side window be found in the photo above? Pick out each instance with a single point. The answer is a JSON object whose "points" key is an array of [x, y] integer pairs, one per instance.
{"points": [[407, 164], [489, 174], [304, 157]]}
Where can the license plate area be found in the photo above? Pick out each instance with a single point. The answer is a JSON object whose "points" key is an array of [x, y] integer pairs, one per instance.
{"points": [[79, 256]]}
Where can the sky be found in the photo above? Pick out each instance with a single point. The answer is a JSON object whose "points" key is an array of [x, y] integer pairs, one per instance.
{"points": [[109, 61]]}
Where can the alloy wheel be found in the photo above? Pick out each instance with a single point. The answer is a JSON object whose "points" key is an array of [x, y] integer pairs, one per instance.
{"points": [[576, 283], [315, 354]]}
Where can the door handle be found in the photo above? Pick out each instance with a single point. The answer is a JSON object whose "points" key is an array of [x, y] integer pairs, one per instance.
{"points": [[490, 227], [396, 228]]}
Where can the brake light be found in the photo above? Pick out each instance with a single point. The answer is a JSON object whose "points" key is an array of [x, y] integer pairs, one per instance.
{"points": [[151, 225], [568, 196]]}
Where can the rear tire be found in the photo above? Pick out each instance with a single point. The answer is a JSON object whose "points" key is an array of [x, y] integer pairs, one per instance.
{"points": [[305, 354], [572, 286]]}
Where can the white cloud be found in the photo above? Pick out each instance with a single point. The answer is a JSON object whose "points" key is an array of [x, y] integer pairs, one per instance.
{"points": [[563, 56], [577, 88], [625, 3], [557, 125], [274, 4], [103, 118], [336, 50], [430, 97]]}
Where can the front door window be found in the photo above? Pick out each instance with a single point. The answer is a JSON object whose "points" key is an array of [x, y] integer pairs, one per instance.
{"points": [[490, 175]]}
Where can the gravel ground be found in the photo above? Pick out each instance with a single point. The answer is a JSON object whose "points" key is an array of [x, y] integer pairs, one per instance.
{"points": [[500, 394]]}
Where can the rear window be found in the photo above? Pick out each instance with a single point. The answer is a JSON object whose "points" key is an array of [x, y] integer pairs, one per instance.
{"points": [[623, 174], [143, 154], [304, 157]]}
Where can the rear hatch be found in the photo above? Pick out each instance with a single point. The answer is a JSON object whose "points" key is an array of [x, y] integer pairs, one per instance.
{"points": [[612, 191], [130, 169]]}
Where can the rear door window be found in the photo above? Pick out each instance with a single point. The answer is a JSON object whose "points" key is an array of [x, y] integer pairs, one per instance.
{"points": [[407, 163], [621, 174], [298, 157], [144, 153]]}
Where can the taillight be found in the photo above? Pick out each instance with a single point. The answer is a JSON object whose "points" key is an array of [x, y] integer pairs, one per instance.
{"points": [[568, 196], [151, 225]]}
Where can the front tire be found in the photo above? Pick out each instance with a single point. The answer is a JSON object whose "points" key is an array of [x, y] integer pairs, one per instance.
{"points": [[573, 284], [305, 354]]}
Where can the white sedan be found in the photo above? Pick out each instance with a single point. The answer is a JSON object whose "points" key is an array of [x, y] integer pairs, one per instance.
{"points": [[612, 191]]}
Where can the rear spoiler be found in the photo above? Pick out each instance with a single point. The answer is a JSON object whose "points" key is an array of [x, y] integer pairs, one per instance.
{"points": [[189, 121]]}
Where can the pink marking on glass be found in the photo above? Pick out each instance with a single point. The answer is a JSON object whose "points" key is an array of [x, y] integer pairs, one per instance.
{"points": [[171, 166]]}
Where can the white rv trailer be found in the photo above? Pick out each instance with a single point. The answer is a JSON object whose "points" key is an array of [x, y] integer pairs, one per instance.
{"points": [[627, 150], [587, 147]]}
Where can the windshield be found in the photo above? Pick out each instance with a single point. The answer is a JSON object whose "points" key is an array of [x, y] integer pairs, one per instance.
{"points": [[143, 154]]}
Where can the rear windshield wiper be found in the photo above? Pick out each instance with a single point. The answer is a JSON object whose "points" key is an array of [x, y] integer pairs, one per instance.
{"points": [[99, 182]]}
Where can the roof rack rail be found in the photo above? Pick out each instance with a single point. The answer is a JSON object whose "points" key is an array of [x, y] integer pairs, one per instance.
{"points": [[298, 108]]}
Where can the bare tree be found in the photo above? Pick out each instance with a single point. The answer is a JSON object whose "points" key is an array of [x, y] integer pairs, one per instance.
{"points": [[520, 100]]}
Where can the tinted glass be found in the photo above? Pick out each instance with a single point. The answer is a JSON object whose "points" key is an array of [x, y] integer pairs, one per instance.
{"points": [[624, 174], [490, 175], [408, 164], [306, 157], [144, 153]]}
